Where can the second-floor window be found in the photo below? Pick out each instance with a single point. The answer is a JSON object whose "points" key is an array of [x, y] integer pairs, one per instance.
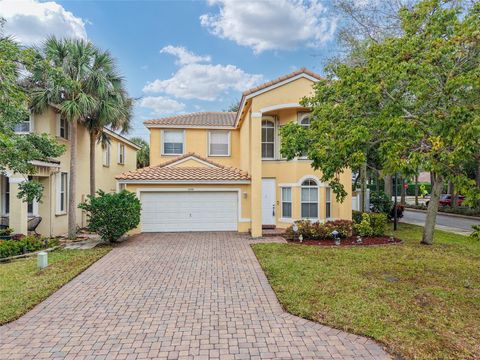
{"points": [[121, 154], [173, 142], [24, 126], [63, 127], [219, 143], [106, 155], [268, 139]]}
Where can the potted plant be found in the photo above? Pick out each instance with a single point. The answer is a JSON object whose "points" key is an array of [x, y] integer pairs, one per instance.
{"points": [[6, 233]]}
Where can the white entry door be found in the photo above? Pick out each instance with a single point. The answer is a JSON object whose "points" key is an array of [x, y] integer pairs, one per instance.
{"points": [[189, 211], [268, 201]]}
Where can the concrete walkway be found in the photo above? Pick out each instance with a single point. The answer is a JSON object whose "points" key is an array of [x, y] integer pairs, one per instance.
{"points": [[169, 296]]}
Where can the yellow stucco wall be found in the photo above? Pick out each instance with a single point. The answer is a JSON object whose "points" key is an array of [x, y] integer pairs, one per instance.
{"points": [[196, 141], [54, 223]]}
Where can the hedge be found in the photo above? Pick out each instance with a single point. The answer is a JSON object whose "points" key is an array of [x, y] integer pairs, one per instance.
{"points": [[25, 245]]}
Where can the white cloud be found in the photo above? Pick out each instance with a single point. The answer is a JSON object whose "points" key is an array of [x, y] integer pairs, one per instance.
{"points": [[184, 56], [201, 81], [30, 21], [161, 105], [271, 24]]}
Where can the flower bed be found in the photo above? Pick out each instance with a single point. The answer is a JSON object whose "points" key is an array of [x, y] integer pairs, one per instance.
{"points": [[25, 245], [369, 225], [352, 241]]}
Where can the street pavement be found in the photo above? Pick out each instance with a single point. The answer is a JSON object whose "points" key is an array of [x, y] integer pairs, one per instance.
{"points": [[445, 222]]}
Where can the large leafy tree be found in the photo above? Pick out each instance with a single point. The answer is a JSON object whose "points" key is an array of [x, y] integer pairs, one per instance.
{"points": [[415, 96], [113, 107], [143, 155], [63, 76], [18, 151]]}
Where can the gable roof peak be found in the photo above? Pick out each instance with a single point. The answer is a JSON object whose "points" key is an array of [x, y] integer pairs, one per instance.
{"points": [[293, 74]]}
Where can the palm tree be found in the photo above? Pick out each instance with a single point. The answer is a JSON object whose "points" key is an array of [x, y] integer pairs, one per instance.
{"points": [[113, 108], [63, 76], [143, 155]]}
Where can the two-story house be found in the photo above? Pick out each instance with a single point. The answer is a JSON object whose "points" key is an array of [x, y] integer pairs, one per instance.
{"points": [[119, 156], [222, 171]]}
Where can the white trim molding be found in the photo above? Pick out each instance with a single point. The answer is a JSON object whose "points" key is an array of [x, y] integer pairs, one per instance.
{"points": [[183, 182], [281, 106]]}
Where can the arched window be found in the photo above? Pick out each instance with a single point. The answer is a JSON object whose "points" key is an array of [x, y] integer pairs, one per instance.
{"points": [[309, 199], [305, 121], [268, 139]]}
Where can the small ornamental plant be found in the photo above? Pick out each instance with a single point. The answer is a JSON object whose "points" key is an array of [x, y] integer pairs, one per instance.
{"points": [[111, 215], [364, 228]]}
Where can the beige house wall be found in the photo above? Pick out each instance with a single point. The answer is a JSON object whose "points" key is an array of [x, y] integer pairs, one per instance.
{"points": [[54, 222]]}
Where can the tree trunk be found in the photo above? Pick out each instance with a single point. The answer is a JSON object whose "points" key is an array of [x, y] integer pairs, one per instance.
{"points": [[377, 181], [388, 186], [93, 138], [478, 172], [403, 192], [432, 210], [453, 195], [416, 189], [363, 187], [72, 188]]}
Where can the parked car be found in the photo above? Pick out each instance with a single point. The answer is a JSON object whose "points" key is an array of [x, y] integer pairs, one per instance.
{"points": [[446, 200]]}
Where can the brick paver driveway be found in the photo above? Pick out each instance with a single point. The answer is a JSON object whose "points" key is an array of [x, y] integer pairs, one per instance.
{"points": [[194, 295]]}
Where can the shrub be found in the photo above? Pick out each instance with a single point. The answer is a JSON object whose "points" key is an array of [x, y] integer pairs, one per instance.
{"points": [[319, 231], [344, 227], [476, 232], [380, 202], [364, 228], [111, 215], [28, 243], [357, 216], [378, 222]]}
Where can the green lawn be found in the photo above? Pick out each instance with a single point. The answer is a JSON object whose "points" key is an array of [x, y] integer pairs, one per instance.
{"points": [[422, 302], [22, 286]]}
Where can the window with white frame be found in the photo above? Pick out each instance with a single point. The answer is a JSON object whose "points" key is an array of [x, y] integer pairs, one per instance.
{"points": [[121, 154], [219, 143], [173, 141], [328, 202], [24, 126], [286, 202], [309, 199], [62, 192], [304, 120], [268, 139], [6, 194], [63, 127], [106, 155]]}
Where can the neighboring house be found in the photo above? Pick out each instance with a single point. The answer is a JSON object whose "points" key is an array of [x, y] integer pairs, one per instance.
{"points": [[223, 170], [119, 156]]}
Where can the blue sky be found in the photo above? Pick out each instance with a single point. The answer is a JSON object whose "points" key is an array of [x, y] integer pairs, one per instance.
{"points": [[187, 56]]}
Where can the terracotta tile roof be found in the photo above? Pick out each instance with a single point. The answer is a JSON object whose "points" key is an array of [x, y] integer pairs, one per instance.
{"points": [[163, 172], [282, 78], [199, 119]]}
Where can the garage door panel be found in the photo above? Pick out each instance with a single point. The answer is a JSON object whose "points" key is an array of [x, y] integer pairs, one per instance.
{"points": [[189, 211]]}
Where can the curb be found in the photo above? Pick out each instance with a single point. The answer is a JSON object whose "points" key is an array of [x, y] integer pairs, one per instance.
{"points": [[445, 214]]}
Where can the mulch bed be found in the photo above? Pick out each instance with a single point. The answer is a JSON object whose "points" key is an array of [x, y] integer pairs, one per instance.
{"points": [[351, 241]]}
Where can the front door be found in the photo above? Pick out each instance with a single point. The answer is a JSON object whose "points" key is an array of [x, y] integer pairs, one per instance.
{"points": [[268, 201]]}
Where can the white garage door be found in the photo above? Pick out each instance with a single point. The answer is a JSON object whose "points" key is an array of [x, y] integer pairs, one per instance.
{"points": [[189, 211]]}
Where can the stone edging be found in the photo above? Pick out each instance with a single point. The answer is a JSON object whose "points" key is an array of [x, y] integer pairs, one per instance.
{"points": [[446, 214], [28, 254]]}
